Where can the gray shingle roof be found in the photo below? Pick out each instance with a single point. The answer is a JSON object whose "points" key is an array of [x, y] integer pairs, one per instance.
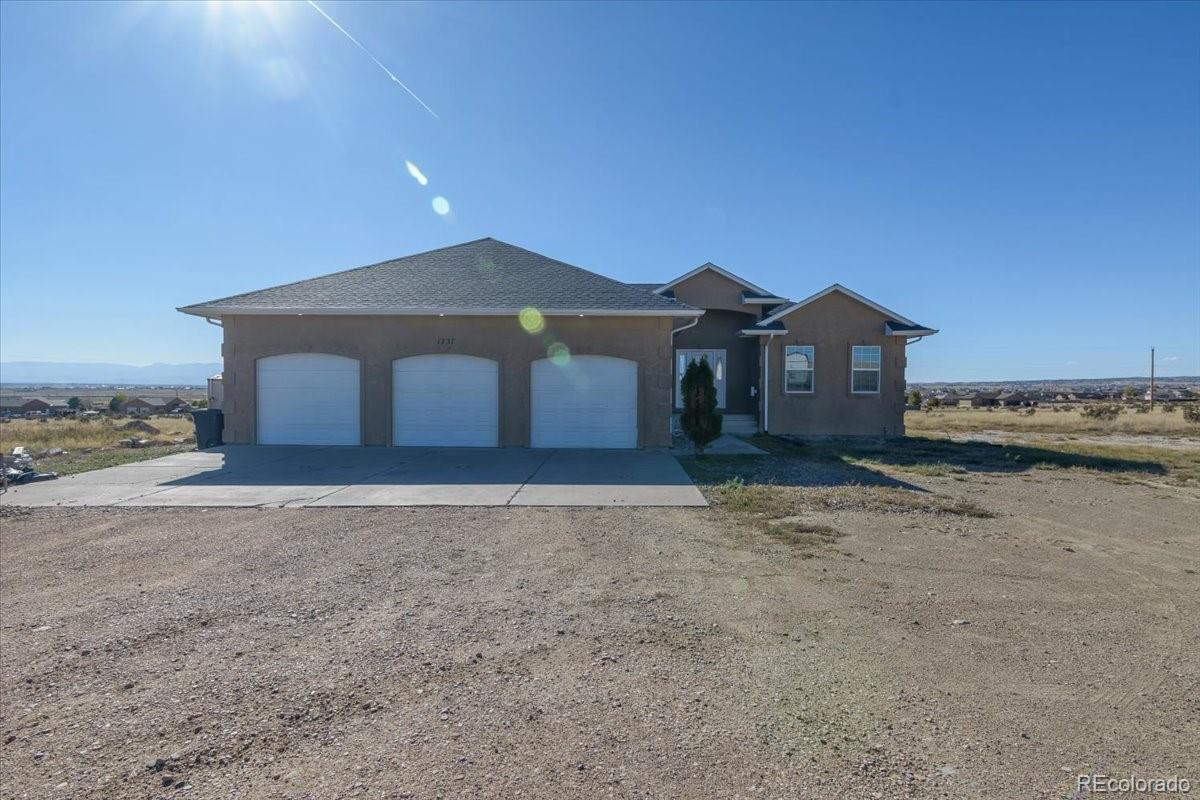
{"points": [[484, 276]]}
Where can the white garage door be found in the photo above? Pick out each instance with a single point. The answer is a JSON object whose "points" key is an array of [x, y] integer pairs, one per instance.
{"points": [[308, 398], [446, 401], [584, 401]]}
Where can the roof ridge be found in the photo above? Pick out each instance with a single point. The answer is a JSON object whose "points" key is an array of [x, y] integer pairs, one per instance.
{"points": [[344, 271], [622, 284]]}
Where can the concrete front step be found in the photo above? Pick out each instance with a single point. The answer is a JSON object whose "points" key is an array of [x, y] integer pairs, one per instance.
{"points": [[736, 424]]}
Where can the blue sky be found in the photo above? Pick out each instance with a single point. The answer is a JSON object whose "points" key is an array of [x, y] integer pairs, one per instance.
{"points": [[1024, 177]]}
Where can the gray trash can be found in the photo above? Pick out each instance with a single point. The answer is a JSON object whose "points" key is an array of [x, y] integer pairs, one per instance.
{"points": [[210, 423]]}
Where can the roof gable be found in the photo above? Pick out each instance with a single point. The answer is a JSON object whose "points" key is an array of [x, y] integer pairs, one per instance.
{"points": [[713, 268], [837, 287], [485, 276]]}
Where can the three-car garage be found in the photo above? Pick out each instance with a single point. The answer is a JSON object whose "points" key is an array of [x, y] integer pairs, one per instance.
{"points": [[449, 400]]}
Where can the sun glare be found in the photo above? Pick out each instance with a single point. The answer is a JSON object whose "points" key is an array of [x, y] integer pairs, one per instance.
{"points": [[416, 173]]}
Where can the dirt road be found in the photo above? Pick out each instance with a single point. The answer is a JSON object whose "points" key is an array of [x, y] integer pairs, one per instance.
{"points": [[530, 652]]}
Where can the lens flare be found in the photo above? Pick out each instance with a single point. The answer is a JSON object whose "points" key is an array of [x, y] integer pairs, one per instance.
{"points": [[441, 206], [531, 320], [559, 353], [415, 171]]}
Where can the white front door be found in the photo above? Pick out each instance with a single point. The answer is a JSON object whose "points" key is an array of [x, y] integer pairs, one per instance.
{"points": [[308, 398], [716, 362], [584, 401], [446, 401]]}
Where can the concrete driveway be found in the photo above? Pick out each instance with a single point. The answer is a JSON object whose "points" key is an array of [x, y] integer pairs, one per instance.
{"points": [[243, 475]]}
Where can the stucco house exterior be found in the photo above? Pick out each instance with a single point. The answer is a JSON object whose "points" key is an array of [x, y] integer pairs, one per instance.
{"points": [[485, 344]]}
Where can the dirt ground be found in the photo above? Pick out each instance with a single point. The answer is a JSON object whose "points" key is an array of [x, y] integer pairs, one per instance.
{"points": [[532, 652]]}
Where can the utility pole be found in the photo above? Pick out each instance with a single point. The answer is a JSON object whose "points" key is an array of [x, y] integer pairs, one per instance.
{"points": [[1151, 378]]}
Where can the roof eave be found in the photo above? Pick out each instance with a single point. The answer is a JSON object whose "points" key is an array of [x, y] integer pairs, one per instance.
{"points": [[216, 312], [909, 330]]}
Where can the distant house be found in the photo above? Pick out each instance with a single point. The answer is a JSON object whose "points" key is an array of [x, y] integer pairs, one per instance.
{"points": [[176, 404], [32, 405], [985, 399], [137, 405], [1016, 399]]}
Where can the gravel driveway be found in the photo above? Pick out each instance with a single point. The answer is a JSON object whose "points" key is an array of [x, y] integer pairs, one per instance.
{"points": [[542, 652]]}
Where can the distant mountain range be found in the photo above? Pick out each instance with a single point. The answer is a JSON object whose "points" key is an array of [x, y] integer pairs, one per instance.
{"points": [[50, 373]]}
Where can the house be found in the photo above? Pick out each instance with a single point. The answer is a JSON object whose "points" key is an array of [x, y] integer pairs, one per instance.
{"points": [[1016, 399], [137, 406], [33, 405], [176, 405], [485, 344], [985, 399]]}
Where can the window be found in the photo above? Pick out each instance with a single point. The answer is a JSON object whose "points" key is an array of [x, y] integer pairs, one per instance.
{"points": [[864, 369], [798, 369], [716, 362]]}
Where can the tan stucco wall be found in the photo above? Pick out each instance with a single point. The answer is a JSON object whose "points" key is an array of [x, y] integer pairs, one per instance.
{"points": [[377, 340], [833, 325], [710, 289], [718, 330], [725, 315]]}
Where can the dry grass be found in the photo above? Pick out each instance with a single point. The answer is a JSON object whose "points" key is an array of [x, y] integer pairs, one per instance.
{"points": [[1045, 420], [71, 434], [76, 461], [773, 501], [937, 456], [802, 534], [93, 444]]}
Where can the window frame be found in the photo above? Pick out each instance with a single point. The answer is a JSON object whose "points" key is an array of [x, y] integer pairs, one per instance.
{"points": [[812, 369], [877, 370]]}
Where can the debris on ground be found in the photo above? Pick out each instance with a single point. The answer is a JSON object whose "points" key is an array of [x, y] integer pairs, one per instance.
{"points": [[19, 468], [138, 442], [140, 425]]}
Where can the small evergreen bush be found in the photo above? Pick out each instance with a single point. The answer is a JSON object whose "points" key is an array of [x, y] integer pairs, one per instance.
{"points": [[700, 420]]}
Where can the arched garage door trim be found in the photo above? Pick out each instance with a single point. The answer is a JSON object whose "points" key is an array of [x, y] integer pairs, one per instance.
{"points": [[584, 401], [445, 400], [308, 398]]}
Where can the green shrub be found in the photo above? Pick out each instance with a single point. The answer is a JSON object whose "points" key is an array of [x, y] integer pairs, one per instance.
{"points": [[1191, 412], [700, 420], [1101, 411]]}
